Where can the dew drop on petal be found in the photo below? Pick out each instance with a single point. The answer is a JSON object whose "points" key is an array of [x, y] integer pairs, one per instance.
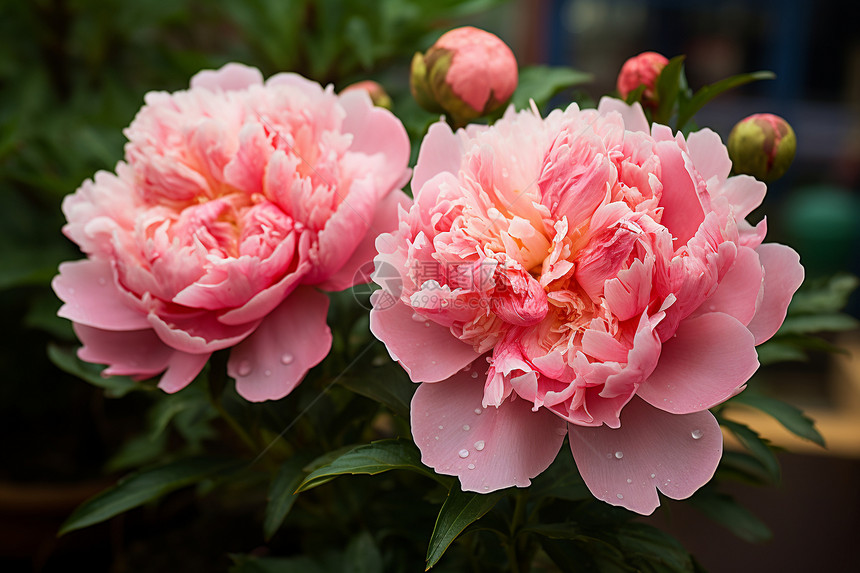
{"points": [[286, 359], [471, 466], [427, 324], [619, 454], [436, 437], [268, 372], [244, 368], [479, 411], [466, 427], [474, 374], [479, 445], [629, 480], [441, 427], [619, 496], [486, 487], [464, 453], [697, 434], [653, 475], [417, 317]]}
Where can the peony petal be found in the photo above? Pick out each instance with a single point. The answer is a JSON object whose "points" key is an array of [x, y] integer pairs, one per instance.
{"points": [[428, 351], [440, 152], [232, 76], [709, 155], [783, 275], [708, 360], [652, 450], [486, 448], [384, 220], [265, 301], [140, 354], [377, 130], [199, 332], [738, 292], [682, 209], [293, 338], [634, 117], [92, 297]]}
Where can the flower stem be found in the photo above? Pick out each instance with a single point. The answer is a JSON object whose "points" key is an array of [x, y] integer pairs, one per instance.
{"points": [[217, 382], [517, 521]]}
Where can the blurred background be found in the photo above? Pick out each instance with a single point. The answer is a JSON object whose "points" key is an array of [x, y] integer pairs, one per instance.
{"points": [[73, 74]]}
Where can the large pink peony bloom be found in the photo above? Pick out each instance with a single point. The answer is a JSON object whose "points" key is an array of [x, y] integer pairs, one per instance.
{"points": [[238, 200], [578, 275]]}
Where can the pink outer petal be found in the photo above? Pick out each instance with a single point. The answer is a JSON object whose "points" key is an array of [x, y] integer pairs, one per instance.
{"points": [[441, 151], [198, 333], [705, 363], [783, 275], [293, 338], [92, 297], [377, 130], [384, 221], [634, 117], [709, 155], [738, 292], [232, 76], [428, 351], [491, 450], [140, 354], [652, 450]]}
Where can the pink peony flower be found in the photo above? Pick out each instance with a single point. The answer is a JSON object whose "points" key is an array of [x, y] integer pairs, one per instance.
{"points": [[467, 73], [639, 70], [238, 202], [578, 275]]}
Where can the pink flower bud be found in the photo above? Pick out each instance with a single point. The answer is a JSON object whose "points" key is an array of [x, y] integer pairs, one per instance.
{"points": [[467, 73], [377, 93], [762, 145], [642, 70]]}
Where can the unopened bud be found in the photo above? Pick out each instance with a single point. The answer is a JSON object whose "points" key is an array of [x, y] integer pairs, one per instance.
{"points": [[467, 73], [643, 69], [762, 145], [377, 93]]}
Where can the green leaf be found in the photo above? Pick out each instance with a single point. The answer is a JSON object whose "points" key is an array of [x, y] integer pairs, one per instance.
{"points": [[372, 459], [743, 467], [556, 531], [649, 548], [541, 83], [458, 512], [387, 385], [363, 555], [635, 95], [145, 486], [834, 322], [668, 86], [254, 564], [590, 555], [709, 92], [282, 495], [790, 417], [757, 446], [731, 515], [561, 480], [114, 386], [830, 297], [774, 351]]}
